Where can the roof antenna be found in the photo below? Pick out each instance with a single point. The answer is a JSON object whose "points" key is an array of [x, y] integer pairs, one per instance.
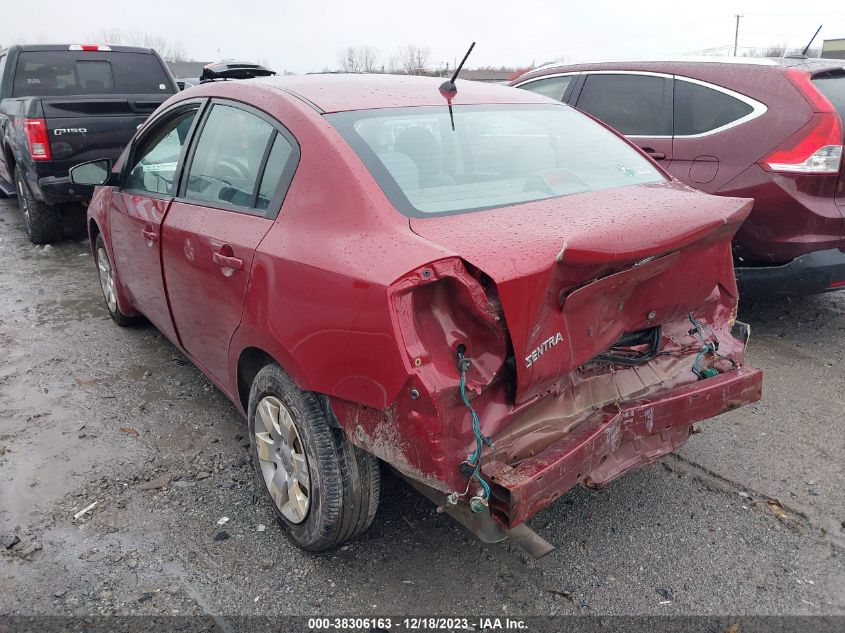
{"points": [[803, 54], [810, 43], [448, 88]]}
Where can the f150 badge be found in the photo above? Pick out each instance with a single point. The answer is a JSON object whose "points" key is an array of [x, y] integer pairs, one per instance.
{"points": [[542, 348], [59, 131]]}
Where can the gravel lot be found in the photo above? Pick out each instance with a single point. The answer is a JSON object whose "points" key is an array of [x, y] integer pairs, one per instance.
{"points": [[748, 518]]}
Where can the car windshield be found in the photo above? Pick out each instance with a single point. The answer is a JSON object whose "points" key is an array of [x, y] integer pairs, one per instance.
{"points": [[496, 155]]}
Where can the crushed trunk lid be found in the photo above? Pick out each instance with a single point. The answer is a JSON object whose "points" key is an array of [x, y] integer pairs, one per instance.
{"points": [[576, 273]]}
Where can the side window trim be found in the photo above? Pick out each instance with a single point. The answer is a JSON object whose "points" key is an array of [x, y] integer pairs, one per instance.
{"points": [[570, 88], [262, 166], [574, 93], [279, 130], [758, 108], [201, 106]]}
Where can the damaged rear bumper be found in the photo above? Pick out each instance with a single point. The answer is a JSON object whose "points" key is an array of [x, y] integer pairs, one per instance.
{"points": [[614, 441]]}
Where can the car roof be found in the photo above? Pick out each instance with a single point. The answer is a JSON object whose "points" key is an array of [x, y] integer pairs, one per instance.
{"points": [[812, 65], [342, 92]]}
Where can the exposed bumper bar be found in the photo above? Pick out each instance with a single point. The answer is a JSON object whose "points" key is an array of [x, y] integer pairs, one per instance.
{"points": [[614, 441]]}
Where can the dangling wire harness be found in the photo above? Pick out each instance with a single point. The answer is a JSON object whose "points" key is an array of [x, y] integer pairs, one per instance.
{"points": [[710, 346], [472, 466]]}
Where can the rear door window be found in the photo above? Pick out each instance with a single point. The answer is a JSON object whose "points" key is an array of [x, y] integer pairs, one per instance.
{"points": [[833, 87], [229, 157], [59, 73], [553, 87], [699, 109], [632, 104]]}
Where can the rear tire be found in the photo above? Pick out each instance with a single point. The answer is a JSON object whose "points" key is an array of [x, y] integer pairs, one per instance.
{"points": [[43, 221], [108, 283], [324, 490]]}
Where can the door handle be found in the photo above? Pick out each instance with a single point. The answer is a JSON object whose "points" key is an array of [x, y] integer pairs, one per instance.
{"points": [[654, 153], [150, 235], [224, 261]]}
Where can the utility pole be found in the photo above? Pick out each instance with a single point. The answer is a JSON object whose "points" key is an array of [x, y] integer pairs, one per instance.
{"points": [[736, 33]]}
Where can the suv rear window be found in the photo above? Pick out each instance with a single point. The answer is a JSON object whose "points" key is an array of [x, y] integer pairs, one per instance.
{"points": [[699, 109], [60, 73], [833, 87], [497, 155]]}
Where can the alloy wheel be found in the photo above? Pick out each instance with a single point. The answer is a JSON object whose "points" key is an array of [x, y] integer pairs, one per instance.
{"points": [[106, 279], [281, 456]]}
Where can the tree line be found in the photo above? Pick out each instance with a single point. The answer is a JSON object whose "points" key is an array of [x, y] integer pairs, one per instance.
{"points": [[407, 60]]}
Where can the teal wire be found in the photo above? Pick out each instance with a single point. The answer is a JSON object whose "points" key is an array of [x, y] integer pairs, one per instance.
{"points": [[475, 459], [708, 347]]}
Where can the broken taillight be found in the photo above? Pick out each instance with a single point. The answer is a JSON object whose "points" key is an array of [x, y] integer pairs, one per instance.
{"points": [[441, 308], [36, 136]]}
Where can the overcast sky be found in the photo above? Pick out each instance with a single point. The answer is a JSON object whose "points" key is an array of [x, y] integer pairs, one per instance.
{"points": [[307, 35]]}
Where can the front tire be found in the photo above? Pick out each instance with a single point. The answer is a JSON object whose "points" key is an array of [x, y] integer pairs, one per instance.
{"points": [[43, 221], [324, 490], [108, 283]]}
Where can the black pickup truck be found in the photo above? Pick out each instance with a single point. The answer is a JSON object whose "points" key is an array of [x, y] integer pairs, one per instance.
{"points": [[61, 105]]}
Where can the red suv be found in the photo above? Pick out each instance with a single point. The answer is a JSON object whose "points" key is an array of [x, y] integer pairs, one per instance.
{"points": [[759, 128]]}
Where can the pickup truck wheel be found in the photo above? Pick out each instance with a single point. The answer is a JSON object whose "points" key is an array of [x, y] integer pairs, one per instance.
{"points": [[43, 221], [108, 283], [324, 490]]}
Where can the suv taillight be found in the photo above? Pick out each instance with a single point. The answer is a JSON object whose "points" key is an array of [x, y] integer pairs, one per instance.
{"points": [[814, 149], [817, 147], [36, 136]]}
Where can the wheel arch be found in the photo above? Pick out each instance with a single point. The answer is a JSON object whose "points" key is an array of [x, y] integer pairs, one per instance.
{"points": [[93, 232], [252, 360], [9, 159]]}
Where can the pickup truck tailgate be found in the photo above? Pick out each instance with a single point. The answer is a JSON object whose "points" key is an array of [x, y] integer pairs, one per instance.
{"points": [[89, 128]]}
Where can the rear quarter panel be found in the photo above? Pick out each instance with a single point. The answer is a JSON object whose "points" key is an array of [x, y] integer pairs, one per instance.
{"points": [[317, 299]]}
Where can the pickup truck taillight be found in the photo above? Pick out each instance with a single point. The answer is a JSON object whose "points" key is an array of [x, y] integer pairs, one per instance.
{"points": [[36, 136], [88, 47], [817, 147]]}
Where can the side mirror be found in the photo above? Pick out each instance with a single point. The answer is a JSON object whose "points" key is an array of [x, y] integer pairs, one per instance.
{"points": [[94, 172]]}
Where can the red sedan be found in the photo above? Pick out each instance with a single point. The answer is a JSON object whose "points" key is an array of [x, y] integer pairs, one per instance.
{"points": [[490, 291]]}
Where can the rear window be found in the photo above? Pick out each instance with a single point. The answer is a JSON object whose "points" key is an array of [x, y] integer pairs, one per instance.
{"points": [[699, 109], [833, 87], [497, 155], [59, 73]]}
